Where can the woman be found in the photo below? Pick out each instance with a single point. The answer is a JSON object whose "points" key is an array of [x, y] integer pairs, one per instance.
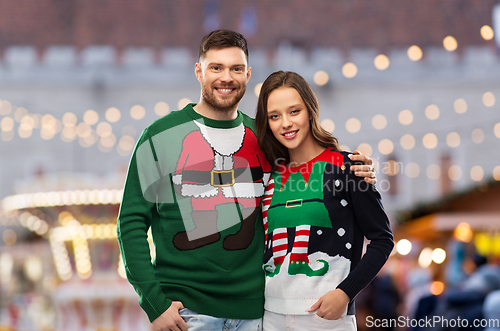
{"points": [[316, 214]]}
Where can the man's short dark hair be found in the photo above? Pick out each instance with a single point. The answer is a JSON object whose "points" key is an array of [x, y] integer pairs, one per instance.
{"points": [[220, 39]]}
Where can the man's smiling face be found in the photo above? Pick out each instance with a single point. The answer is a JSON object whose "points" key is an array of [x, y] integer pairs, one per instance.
{"points": [[223, 75]]}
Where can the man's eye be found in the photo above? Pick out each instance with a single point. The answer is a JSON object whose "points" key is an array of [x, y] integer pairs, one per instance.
{"points": [[237, 69], [215, 68]]}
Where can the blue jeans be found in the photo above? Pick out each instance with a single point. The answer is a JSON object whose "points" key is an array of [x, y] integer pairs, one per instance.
{"points": [[200, 322]]}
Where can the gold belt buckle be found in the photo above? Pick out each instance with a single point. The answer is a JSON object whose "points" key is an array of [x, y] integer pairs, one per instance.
{"points": [[291, 201], [221, 172]]}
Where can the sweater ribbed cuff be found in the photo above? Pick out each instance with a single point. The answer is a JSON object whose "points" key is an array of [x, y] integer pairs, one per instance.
{"points": [[351, 287], [154, 310]]}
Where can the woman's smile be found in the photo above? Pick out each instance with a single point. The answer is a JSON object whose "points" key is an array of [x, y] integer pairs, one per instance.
{"points": [[290, 134]]}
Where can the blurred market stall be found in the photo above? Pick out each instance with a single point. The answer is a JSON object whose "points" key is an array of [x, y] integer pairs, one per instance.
{"points": [[67, 220]]}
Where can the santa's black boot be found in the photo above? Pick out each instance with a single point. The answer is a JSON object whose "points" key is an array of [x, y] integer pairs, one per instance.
{"points": [[243, 238], [204, 233]]}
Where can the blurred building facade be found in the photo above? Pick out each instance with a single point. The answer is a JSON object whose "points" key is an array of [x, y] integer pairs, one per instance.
{"points": [[138, 60]]}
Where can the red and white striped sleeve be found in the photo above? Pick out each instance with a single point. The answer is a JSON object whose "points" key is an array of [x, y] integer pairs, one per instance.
{"points": [[266, 202]]}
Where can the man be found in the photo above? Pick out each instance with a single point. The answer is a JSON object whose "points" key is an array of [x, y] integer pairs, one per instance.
{"points": [[194, 176]]}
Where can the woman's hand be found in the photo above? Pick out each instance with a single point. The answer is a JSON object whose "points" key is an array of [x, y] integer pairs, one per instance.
{"points": [[366, 170], [332, 305]]}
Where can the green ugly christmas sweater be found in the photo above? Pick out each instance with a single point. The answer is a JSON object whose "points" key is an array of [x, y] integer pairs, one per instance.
{"points": [[197, 184]]}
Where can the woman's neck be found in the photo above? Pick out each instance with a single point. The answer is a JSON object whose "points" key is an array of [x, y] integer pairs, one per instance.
{"points": [[305, 153]]}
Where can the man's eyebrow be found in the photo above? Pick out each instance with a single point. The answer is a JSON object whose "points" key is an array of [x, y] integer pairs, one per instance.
{"points": [[221, 65]]}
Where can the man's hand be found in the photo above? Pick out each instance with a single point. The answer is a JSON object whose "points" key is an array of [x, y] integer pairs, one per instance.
{"points": [[366, 170], [332, 305], [170, 320]]}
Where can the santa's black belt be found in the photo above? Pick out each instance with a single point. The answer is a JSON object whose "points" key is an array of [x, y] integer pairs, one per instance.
{"points": [[223, 177]]}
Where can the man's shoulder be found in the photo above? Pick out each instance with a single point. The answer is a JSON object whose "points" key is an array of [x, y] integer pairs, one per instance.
{"points": [[247, 120], [173, 119]]}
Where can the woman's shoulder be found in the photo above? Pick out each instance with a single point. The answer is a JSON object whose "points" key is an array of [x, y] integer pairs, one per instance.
{"points": [[336, 157]]}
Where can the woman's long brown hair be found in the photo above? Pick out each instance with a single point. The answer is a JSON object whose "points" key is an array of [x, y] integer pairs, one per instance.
{"points": [[268, 143]]}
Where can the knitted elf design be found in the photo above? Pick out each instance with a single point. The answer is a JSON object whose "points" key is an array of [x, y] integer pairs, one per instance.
{"points": [[316, 218], [298, 204]]}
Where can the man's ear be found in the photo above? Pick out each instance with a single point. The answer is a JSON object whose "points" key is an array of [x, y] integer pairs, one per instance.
{"points": [[249, 73], [198, 71]]}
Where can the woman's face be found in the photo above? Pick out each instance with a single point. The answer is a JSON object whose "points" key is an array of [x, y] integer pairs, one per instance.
{"points": [[288, 118]]}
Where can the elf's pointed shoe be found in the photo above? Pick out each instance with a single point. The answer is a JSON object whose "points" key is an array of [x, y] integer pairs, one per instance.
{"points": [[272, 273], [302, 267]]}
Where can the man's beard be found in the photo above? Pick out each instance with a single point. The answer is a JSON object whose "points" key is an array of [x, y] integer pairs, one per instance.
{"points": [[220, 104]]}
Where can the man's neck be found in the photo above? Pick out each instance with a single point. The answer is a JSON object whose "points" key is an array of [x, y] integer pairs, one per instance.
{"points": [[206, 110]]}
